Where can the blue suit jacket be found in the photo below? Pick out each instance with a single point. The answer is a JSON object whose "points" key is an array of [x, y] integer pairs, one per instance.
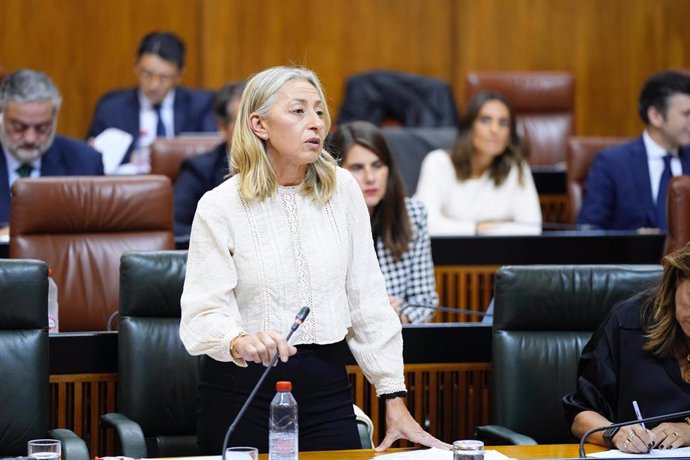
{"points": [[120, 109], [618, 192], [66, 157], [197, 176]]}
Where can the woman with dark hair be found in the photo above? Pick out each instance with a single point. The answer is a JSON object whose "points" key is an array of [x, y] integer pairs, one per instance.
{"points": [[484, 185], [398, 224], [641, 352]]}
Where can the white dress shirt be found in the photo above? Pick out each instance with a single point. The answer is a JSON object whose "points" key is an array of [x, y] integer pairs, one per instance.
{"points": [[655, 161], [148, 119]]}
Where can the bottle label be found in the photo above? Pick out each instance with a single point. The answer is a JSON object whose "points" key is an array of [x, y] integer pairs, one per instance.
{"points": [[283, 446]]}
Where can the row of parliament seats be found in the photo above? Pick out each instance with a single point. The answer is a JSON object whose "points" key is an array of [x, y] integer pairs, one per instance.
{"points": [[538, 335], [89, 222]]}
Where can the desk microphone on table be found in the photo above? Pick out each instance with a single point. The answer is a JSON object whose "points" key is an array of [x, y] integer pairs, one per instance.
{"points": [[658, 418], [299, 319]]}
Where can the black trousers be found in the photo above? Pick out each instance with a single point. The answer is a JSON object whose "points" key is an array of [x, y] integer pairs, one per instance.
{"points": [[319, 384]]}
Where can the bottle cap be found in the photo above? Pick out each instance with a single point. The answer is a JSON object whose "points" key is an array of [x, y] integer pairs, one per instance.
{"points": [[283, 386]]}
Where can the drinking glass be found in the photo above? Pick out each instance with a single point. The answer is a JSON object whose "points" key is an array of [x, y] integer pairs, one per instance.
{"points": [[241, 453], [468, 449], [44, 449]]}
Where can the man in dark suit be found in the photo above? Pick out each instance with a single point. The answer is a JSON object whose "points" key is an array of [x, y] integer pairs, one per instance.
{"points": [[29, 104], [158, 106], [200, 174], [626, 185]]}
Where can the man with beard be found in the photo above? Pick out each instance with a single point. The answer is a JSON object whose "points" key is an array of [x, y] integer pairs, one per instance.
{"points": [[29, 104]]}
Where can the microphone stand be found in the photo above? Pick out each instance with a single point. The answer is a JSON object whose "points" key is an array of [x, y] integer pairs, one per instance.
{"points": [[658, 418], [299, 319]]}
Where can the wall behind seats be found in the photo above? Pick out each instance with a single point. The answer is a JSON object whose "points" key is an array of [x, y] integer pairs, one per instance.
{"points": [[611, 46]]}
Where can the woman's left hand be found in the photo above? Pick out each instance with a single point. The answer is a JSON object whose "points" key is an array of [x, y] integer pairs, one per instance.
{"points": [[672, 435], [401, 425]]}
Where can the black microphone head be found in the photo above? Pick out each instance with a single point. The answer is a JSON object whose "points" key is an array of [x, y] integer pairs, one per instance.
{"points": [[302, 315]]}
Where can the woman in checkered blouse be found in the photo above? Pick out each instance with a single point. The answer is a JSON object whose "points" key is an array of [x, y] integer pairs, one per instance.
{"points": [[398, 223]]}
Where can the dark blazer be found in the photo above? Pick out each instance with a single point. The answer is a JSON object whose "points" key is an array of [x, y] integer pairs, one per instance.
{"points": [[66, 157], [120, 109], [413, 100], [197, 176], [618, 192]]}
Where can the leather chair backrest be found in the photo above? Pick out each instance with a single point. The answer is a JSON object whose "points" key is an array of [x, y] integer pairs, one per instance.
{"points": [[678, 213], [406, 99], [158, 379], [580, 154], [410, 146], [24, 371], [543, 317], [544, 104], [167, 154], [80, 226]]}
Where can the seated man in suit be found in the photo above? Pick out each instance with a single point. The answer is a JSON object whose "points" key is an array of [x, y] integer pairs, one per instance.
{"points": [[626, 185], [200, 174], [157, 107], [29, 105]]}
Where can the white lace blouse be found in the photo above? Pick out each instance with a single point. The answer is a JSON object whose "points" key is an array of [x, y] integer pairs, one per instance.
{"points": [[252, 265]]}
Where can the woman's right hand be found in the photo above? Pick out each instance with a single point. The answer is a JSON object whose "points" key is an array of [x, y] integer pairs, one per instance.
{"points": [[634, 439], [262, 346]]}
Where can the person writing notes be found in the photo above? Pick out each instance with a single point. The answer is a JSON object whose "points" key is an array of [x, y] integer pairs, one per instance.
{"points": [[640, 353], [484, 184], [289, 229], [399, 224]]}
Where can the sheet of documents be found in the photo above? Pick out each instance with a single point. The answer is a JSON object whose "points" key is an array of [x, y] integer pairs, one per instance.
{"points": [[113, 144], [682, 452], [435, 454]]}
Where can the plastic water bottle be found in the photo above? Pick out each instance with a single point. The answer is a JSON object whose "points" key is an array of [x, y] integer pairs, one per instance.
{"points": [[283, 429], [53, 321]]}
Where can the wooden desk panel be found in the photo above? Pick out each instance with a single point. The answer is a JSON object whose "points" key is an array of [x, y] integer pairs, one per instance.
{"points": [[540, 451]]}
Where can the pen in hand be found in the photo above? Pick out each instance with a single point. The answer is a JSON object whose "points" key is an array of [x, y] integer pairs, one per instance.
{"points": [[636, 408]]}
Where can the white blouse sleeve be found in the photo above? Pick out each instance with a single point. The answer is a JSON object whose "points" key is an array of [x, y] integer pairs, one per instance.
{"points": [[375, 337], [436, 180], [210, 317], [527, 206]]}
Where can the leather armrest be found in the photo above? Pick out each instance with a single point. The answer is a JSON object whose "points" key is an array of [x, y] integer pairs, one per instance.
{"points": [[73, 447], [500, 435], [129, 432]]}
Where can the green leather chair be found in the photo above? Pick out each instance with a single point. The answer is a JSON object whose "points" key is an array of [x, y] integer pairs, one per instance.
{"points": [[24, 357], [157, 378], [544, 316]]}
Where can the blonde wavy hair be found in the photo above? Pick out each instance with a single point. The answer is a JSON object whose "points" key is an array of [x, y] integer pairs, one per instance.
{"points": [[249, 157]]}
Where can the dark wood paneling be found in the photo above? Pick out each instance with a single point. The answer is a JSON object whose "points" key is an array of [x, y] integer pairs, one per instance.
{"points": [[611, 46]]}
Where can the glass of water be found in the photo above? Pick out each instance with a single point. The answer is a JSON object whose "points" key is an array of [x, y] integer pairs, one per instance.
{"points": [[468, 449], [44, 449], [241, 453]]}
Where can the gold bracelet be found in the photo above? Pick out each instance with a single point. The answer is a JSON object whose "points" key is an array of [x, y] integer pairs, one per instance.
{"points": [[687, 420], [233, 352]]}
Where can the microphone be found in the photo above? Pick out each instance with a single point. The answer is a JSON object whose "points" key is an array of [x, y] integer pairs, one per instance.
{"points": [[448, 310], [657, 418], [299, 319]]}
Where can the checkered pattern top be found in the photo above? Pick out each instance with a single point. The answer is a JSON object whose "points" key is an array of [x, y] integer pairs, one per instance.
{"points": [[412, 277]]}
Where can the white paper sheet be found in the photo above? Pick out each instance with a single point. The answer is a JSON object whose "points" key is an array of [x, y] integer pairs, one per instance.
{"points": [[682, 452], [435, 454], [113, 144]]}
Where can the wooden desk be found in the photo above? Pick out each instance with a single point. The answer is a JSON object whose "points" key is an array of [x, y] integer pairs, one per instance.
{"points": [[540, 451]]}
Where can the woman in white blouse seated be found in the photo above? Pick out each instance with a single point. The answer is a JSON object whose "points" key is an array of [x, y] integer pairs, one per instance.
{"points": [[398, 224], [484, 185]]}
